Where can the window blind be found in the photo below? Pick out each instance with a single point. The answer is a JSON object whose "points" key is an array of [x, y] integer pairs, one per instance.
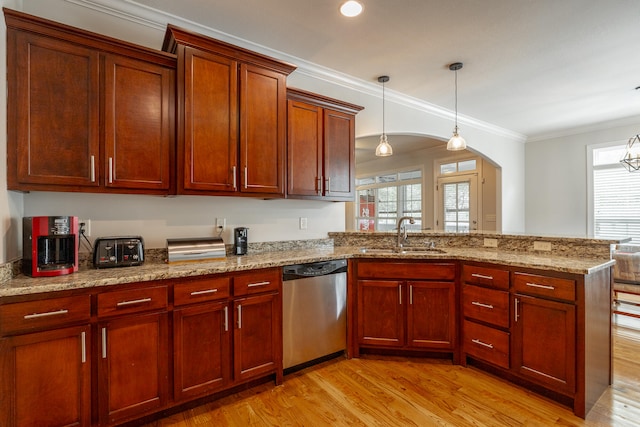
{"points": [[616, 202]]}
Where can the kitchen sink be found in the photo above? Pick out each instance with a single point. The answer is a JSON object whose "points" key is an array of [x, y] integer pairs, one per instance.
{"points": [[405, 251]]}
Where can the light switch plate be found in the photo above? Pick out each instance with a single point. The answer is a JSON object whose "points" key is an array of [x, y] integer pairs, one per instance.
{"points": [[303, 223]]}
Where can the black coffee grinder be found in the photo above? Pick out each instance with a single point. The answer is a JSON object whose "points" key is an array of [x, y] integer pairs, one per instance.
{"points": [[240, 240]]}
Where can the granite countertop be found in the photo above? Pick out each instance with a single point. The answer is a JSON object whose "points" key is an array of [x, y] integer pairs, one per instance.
{"points": [[89, 277]]}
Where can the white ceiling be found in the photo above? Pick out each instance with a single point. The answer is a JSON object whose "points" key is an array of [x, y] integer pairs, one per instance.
{"points": [[534, 67]]}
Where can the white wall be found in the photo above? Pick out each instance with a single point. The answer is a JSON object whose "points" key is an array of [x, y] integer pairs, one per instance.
{"points": [[10, 202], [556, 177], [158, 218]]}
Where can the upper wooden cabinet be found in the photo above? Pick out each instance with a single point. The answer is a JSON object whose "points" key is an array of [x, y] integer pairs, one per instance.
{"points": [[231, 117], [321, 147], [86, 112]]}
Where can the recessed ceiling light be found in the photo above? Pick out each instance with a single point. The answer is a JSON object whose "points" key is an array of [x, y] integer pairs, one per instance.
{"points": [[351, 8]]}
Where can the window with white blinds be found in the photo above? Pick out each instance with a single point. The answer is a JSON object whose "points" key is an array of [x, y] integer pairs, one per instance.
{"points": [[616, 196]]}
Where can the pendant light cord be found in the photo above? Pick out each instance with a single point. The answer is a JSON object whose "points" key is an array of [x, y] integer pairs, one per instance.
{"points": [[456, 101], [383, 108]]}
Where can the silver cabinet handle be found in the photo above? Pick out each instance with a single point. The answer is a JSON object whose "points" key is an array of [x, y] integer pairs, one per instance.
{"points": [[482, 343], [516, 302], [536, 285], [328, 187], [319, 184], [400, 293], [239, 316], [104, 343], [246, 177], [479, 304], [234, 178], [83, 344], [93, 168], [110, 170], [47, 314], [481, 276], [411, 294], [226, 319], [132, 302], [253, 285], [206, 291]]}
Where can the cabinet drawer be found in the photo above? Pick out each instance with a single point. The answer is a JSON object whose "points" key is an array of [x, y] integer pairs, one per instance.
{"points": [[257, 282], [50, 313], [486, 305], [544, 286], [132, 301], [485, 343], [485, 276], [200, 290], [407, 270]]}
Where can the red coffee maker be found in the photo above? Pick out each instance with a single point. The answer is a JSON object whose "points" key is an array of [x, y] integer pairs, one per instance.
{"points": [[49, 245]]}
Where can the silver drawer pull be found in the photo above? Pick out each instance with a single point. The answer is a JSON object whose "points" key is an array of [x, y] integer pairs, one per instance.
{"points": [[536, 285], [481, 276], [226, 318], [207, 291], [49, 313], [479, 304], [253, 285], [83, 337], [132, 302], [484, 344]]}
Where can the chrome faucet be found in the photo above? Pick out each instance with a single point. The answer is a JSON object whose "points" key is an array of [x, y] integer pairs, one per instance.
{"points": [[402, 231]]}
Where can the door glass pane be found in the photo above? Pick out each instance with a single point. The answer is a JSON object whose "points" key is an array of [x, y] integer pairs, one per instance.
{"points": [[467, 165], [456, 206], [448, 168]]}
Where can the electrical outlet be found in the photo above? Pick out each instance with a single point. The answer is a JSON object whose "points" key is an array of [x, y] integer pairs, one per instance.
{"points": [[491, 243], [87, 226], [221, 224], [542, 246], [303, 223]]}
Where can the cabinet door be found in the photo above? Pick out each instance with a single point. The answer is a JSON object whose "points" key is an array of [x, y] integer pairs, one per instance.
{"points": [[53, 110], [263, 127], [257, 336], [339, 155], [380, 313], [202, 350], [544, 342], [431, 315], [138, 130], [304, 146], [132, 368], [208, 128], [46, 378]]}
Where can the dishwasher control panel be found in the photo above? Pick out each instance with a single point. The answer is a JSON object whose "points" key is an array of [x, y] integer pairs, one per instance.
{"points": [[291, 272]]}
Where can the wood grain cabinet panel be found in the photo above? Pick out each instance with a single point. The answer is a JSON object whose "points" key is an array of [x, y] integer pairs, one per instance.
{"points": [[53, 105], [133, 375], [380, 313], [544, 342], [431, 315], [91, 113], [46, 378], [202, 349], [138, 126], [320, 147]]}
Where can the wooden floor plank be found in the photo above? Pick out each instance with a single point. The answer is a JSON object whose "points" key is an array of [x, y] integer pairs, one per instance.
{"points": [[396, 391]]}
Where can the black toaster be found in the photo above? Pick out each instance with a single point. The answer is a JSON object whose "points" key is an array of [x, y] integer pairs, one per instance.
{"points": [[122, 251]]}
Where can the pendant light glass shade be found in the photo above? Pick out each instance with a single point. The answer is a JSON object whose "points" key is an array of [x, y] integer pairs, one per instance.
{"points": [[384, 148], [456, 143], [631, 159]]}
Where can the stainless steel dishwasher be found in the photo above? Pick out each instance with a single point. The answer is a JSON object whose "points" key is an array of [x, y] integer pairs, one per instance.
{"points": [[314, 318]]}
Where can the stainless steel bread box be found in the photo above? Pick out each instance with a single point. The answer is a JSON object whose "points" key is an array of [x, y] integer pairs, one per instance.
{"points": [[197, 249]]}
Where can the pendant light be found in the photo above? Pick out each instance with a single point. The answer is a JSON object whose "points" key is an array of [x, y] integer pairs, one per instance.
{"points": [[456, 142], [631, 159], [383, 149]]}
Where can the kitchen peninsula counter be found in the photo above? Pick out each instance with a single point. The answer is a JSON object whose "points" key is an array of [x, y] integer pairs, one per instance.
{"points": [[90, 277]]}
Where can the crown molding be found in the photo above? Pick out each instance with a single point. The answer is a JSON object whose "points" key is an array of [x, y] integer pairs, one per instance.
{"points": [[153, 18], [595, 127]]}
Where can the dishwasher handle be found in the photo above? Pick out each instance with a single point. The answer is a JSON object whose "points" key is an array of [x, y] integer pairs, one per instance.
{"points": [[315, 269]]}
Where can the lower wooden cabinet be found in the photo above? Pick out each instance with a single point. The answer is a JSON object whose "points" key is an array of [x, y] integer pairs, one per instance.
{"points": [[257, 343], [46, 378], [544, 342], [202, 349], [402, 313], [133, 366]]}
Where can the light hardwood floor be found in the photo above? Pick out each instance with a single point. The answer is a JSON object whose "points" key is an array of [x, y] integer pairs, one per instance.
{"points": [[377, 391]]}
